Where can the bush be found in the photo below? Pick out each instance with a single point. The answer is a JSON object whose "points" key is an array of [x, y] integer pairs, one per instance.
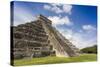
{"points": [[92, 49]]}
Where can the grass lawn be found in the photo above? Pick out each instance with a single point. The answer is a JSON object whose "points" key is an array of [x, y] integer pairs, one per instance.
{"points": [[54, 60]]}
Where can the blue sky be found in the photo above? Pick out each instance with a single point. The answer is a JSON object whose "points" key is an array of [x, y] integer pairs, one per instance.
{"points": [[76, 22]]}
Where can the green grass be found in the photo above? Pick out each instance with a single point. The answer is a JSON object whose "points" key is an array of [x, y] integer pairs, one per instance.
{"points": [[54, 60]]}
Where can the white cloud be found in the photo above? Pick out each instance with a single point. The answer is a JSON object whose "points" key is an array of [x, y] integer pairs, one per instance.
{"points": [[47, 7], [59, 8], [67, 8], [53, 8], [88, 27], [56, 9], [58, 20]]}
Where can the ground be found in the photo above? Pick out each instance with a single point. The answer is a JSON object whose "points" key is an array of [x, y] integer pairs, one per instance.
{"points": [[55, 60]]}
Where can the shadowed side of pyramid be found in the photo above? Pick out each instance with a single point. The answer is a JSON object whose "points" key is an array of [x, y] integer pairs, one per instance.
{"points": [[38, 39]]}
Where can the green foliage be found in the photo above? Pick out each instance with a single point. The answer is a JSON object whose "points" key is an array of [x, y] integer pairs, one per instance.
{"points": [[54, 60], [92, 49]]}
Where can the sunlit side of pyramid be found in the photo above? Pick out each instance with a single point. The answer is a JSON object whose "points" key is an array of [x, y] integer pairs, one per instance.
{"points": [[39, 39]]}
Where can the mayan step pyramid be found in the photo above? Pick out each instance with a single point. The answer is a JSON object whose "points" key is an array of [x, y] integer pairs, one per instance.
{"points": [[39, 39]]}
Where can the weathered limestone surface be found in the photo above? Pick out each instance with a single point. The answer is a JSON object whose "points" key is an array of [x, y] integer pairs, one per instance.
{"points": [[38, 39]]}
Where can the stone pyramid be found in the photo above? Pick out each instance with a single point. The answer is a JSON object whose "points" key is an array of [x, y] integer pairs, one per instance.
{"points": [[39, 39]]}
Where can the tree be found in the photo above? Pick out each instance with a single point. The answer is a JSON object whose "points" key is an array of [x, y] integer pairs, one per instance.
{"points": [[92, 49]]}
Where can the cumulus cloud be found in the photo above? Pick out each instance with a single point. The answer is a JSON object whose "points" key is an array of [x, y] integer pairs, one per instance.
{"points": [[58, 20], [53, 8], [67, 8], [47, 7], [89, 27], [59, 8]]}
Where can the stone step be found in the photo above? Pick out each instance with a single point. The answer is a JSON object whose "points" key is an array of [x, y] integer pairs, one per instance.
{"points": [[24, 43], [38, 34], [22, 35]]}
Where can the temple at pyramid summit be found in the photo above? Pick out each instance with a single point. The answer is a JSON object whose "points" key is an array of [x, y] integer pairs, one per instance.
{"points": [[40, 39]]}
